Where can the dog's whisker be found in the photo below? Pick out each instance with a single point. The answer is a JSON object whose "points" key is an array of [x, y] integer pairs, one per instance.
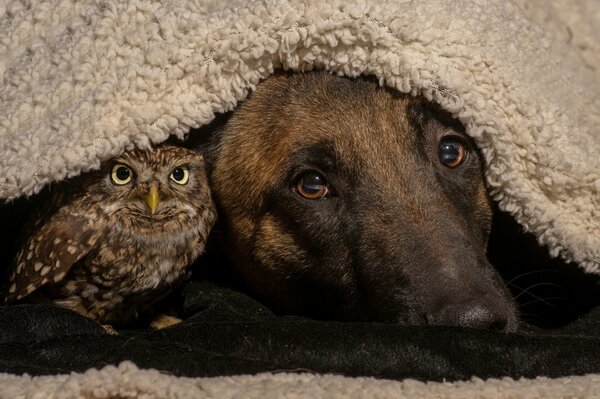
{"points": [[531, 272], [544, 301], [531, 317], [526, 290], [533, 295]]}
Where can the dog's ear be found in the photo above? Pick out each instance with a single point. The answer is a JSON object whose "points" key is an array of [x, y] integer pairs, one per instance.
{"points": [[422, 112], [206, 139]]}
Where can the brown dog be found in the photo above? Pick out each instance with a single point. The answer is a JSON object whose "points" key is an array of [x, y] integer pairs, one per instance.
{"points": [[340, 199]]}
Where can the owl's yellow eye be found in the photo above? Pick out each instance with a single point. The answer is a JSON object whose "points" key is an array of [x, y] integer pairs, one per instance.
{"points": [[121, 174], [180, 175]]}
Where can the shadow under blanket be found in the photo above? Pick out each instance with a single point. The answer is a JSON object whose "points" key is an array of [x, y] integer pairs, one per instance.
{"points": [[227, 333]]}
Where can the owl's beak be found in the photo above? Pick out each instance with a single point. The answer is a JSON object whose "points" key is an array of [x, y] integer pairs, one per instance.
{"points": [[153, 198]]}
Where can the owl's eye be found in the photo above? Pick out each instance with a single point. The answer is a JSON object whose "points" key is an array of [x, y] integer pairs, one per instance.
{"points": [[180, 175], [121, 174]]}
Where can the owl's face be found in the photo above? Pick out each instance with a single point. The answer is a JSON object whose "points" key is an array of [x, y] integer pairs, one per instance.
{"points": [[162, 189]]}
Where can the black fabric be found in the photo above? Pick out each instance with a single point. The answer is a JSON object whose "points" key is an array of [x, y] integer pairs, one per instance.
{"points": [[227, 333]]}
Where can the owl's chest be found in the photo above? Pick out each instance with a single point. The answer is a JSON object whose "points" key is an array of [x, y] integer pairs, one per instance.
{"points": [[137, 267], [123, 275]]}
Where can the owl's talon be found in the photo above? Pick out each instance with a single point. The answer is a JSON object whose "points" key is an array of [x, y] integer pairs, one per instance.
{"points": [[109, 329], [163, 321]]}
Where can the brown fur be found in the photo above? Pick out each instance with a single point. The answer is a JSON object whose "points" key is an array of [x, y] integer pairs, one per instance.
{"points": [[402, 237]]}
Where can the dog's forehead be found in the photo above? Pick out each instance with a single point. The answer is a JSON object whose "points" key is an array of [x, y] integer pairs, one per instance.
{"points": [[355, 118]]}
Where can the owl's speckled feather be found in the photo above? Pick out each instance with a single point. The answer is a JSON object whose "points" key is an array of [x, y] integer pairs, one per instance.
{"points": [[99, 250]]}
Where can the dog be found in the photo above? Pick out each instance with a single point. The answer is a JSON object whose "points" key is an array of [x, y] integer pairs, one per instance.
{"points": [[341, 199]]}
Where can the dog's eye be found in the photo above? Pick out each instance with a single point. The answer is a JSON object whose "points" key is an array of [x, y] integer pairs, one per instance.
{"points": [[452, 151], [312, 186]]}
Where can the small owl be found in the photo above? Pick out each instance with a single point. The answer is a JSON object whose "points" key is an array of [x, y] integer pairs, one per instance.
{"points": [[112, 243]]}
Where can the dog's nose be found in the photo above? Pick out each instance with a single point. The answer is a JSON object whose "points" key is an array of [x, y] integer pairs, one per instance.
{"points": [[475, 314]]}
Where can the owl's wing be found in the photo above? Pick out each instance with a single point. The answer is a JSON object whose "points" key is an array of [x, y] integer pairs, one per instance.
{"points": [[49, 253]]}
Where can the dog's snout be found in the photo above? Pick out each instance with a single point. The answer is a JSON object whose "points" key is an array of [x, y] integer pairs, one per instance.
{"points": [[481, 313]]}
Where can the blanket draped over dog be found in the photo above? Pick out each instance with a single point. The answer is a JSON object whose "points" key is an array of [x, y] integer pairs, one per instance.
{"points": [[80, 81], [83, 80]]}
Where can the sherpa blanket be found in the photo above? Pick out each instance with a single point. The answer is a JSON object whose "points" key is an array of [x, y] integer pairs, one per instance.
{"points": [[80, 81]]}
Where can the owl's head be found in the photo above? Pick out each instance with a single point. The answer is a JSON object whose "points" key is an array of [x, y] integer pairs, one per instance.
{"points": [[163, 188]]}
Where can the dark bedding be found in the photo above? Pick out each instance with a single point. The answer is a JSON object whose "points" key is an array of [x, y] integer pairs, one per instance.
{"points": [[227, 333]]}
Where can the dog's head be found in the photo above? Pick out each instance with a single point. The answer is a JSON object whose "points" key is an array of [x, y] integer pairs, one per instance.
{"points": [[341, 199]]}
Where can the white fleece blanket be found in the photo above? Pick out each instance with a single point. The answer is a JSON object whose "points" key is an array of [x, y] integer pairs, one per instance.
{"points": [[83, 80], [80, 81], [127, 381]]}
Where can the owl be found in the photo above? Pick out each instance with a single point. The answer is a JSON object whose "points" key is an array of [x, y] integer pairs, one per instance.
{"points": [[110, 244]]}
